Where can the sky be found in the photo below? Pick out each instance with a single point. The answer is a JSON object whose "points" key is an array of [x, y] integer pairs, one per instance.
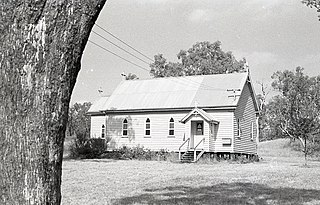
{"points": [[271, 34]]}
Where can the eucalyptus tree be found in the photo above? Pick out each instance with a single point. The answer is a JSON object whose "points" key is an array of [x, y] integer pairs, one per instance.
{"points": [[295, 111], [41, 45], [203, 58]]}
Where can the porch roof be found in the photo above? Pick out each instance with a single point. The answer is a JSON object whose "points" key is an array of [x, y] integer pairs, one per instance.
{"points": [[197, 111]]}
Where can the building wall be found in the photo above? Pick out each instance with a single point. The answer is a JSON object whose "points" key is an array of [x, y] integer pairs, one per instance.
{"points": [[159, 133], [159, 137], [224, 130], [247, 115], [96, 126]]}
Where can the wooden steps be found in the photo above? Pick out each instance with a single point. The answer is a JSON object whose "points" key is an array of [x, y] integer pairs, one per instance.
{"points": [[187, 157]]}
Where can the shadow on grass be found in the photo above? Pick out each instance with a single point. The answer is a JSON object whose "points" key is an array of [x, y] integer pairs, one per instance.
{"points": [[232, 193]]}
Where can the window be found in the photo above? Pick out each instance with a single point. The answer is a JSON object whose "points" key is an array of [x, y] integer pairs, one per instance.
{"points": [[125, 128], [103, 131], [226, 142], [252, 131], [238, 127], [147, 127], [171, 127], [199, 129]]}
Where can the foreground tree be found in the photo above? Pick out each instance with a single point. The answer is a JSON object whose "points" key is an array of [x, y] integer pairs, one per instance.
{"points": [[204, 58], [295, 112], [41, 46]]}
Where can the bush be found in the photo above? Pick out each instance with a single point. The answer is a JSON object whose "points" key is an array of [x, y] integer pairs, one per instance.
{"points": [[85, 148], [138, 153]]}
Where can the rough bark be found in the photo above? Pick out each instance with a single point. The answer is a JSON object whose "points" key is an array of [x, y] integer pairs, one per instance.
{"points": [[41, 44]]}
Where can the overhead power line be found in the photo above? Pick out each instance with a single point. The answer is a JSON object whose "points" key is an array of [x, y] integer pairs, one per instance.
{"points": [[120, 47], [118, 55], [186, 82], [123, 42]]}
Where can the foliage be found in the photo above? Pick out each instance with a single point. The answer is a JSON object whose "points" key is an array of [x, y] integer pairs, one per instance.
{"points": [[79, 121], [137, 153], [262, 118], [132, 76], [313, 4], [295, 112], [203, 58], [84, 148]]}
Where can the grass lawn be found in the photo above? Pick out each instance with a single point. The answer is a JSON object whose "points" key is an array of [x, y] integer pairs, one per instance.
{"points": [[279, 178]]}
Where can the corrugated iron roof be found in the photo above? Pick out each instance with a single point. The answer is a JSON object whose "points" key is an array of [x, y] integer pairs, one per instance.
{"points": [[175, 92], [97, 106]]}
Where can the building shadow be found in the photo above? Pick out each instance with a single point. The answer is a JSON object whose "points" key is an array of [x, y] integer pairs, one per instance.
{"points": [[230, 194]]}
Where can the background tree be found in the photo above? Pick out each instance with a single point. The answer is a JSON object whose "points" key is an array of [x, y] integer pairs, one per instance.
{"points": [[79, 121], [295, 112], [132, 76], [313, 4], [203, 58], [41, 46], [263, 125]]}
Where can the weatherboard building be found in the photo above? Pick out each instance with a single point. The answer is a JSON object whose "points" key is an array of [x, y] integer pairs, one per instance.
{"points": [[206, 113]]}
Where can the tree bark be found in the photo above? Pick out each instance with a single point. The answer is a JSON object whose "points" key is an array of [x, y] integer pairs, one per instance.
{"points": [[41, 44]]}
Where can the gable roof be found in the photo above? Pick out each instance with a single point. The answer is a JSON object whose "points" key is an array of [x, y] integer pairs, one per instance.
{"points": [[97, 106], [197, 111], [207, 91]]}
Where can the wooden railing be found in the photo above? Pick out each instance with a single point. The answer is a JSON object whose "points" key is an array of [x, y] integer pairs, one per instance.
{"points": [[188, 140], [195, 157]]}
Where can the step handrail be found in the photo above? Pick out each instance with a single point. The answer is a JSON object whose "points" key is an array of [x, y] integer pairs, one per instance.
{"points": [[195, 150], [187, 140]]}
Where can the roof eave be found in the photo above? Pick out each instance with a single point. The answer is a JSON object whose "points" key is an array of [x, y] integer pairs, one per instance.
{"points": [[233, 107], [92, 113]]}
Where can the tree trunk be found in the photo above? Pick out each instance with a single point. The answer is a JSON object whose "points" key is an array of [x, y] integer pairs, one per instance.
{"points": [[41, 44], [305, 150]]}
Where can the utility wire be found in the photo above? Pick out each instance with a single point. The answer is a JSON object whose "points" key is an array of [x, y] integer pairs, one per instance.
{"points": [[118, 56], [172, 79], [123, 42], [179, 82], [120, 47]]}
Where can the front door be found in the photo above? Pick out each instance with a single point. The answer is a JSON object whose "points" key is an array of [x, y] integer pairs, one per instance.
{"points": [[196, 132]]}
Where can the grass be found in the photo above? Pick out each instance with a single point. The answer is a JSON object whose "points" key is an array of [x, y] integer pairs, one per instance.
{"points": [[279, 178]]}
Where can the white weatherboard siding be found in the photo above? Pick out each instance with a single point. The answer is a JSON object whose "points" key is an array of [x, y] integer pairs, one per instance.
{"points": [[160, 99], [222, 130], [96, 126], [246, 112], [159, 133]]}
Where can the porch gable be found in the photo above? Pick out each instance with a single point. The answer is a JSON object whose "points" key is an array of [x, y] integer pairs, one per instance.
{"points": [[199, 112]]}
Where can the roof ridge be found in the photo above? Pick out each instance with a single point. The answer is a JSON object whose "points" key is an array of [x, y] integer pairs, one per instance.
{"points": [[185, 76]]}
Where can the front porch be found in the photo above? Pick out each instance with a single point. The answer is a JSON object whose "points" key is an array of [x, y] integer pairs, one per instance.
{"points": [[199, 135]]}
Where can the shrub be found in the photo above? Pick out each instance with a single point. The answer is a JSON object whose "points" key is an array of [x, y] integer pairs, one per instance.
{"points": [[138, 153], [85, 148]]}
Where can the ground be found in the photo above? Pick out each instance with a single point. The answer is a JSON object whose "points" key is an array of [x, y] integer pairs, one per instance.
{"points": [[280, 178]]}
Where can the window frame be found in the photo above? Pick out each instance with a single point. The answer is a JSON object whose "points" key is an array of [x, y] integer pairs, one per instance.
{"points": [[171, 127], [199, 132], [239, 131], [226, 142], [103, 131], [147, 131], [252, 131], [125, 130]]}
